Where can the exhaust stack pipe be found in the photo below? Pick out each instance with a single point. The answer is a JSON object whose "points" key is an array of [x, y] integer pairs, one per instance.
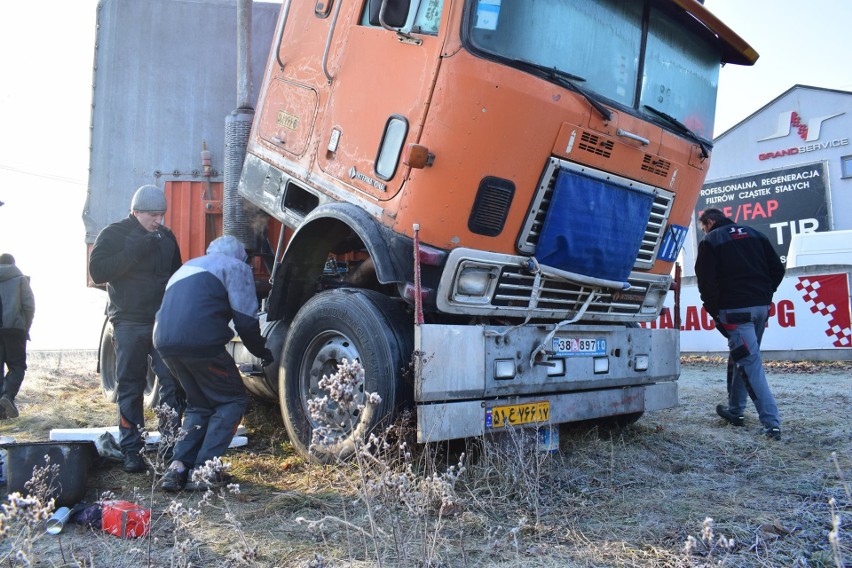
{"points": [[235, 216]]}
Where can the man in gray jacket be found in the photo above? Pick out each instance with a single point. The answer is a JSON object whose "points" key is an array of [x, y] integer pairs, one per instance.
{"points": [[191, 333], [17, 308]]}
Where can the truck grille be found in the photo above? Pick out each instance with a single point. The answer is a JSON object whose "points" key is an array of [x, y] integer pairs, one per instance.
{"points": [[541, 204], [515, 290]]}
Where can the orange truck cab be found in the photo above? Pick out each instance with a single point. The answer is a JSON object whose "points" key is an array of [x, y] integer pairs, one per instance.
{"points": [[479, 200], [502, 185]]}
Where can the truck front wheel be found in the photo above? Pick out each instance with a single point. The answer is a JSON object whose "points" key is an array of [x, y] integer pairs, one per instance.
{"points": [[356, 325]]}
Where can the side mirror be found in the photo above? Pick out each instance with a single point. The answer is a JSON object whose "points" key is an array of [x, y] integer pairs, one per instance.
{"points": [[393, 12]]}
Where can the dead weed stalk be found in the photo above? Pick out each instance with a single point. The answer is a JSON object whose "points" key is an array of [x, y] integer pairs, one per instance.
{"points": [[840, 547], [406, 499], [22, 517], [187, 519]]}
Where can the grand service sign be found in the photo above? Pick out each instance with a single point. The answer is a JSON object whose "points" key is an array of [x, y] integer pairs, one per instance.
{"points": [[779, 203]]}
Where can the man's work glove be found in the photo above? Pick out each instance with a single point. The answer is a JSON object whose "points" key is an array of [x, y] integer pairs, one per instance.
{"points": [[145, 245], [266, 358]]}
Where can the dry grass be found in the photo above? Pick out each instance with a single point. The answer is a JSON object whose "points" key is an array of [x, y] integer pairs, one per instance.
{"points": [[628, 498]]}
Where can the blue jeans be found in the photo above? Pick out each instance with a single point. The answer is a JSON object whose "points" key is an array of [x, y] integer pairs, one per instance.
{"points": [[745, 330]]}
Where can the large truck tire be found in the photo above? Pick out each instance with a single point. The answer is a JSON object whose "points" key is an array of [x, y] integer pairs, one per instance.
{"points": [[352, 324], [109, 377]]}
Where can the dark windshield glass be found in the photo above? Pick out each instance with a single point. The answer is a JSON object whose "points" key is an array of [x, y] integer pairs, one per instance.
{"points": [[602, 42]]}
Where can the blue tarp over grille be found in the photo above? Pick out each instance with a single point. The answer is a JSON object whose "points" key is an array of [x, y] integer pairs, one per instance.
{"points": [[593, 228]]}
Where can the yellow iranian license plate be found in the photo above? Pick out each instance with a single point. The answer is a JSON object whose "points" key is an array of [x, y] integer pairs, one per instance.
{"points": [[517, 414]]}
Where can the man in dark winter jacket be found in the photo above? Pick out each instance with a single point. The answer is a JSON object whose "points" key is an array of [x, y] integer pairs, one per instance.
{"points": [[738, 271], [135, 258], [191, 333], [17, 308]]}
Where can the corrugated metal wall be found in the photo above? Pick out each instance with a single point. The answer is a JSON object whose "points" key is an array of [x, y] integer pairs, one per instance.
{"points": [[164, 80]]}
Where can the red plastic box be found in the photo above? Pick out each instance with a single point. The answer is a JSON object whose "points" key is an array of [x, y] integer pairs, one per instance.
{"points": [[125, 519]]}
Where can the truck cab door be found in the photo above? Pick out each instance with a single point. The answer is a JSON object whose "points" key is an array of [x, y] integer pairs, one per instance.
{"points": [[381, 83]]}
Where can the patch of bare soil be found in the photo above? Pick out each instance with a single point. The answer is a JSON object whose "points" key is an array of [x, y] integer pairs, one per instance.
{"points": [[633, 497]]}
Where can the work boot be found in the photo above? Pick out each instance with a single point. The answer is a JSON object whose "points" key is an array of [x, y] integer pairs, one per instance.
{"points": [[8, 407], [772, 432], [213, 481], [732, 418], [174, 479], [134, 463]]}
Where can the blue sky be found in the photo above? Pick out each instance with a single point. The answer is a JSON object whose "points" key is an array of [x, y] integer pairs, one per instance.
{"points": [[45, 92], [799, 42]]}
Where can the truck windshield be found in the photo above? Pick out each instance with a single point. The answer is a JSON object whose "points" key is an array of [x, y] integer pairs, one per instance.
{"points": [[673, 68]]}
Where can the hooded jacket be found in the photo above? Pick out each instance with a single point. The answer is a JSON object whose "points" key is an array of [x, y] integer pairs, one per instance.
{"points": [[16, 298], [736, 267], [202, 298], [135, 274]]}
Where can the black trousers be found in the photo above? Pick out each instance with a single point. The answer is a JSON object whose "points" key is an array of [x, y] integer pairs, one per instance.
{"points": [[133, 345], [215, 402], [13, 360]]}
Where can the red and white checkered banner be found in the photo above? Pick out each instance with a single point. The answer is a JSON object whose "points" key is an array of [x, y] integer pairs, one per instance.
{"points": [[808, 312]]}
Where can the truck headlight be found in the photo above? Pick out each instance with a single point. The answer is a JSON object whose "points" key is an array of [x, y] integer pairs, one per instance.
{"points": [[475, 282]]}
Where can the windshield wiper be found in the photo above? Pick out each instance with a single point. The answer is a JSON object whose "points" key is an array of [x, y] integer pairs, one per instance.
{"points": [[566, 79], [683, 129]]}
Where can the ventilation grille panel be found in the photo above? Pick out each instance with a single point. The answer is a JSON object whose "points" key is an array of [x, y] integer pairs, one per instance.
{"points": [[656, 166], [493, 199], [596, 145]]}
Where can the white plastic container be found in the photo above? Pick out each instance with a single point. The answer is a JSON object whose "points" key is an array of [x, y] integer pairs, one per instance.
{"points": [[3, 457]]}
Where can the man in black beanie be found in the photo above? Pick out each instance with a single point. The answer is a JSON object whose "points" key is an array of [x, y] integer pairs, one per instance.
{"points": [[135, 258]]}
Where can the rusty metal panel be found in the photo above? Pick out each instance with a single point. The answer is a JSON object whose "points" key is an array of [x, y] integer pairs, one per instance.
{"points": [[194, 215], [164, 80]]}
